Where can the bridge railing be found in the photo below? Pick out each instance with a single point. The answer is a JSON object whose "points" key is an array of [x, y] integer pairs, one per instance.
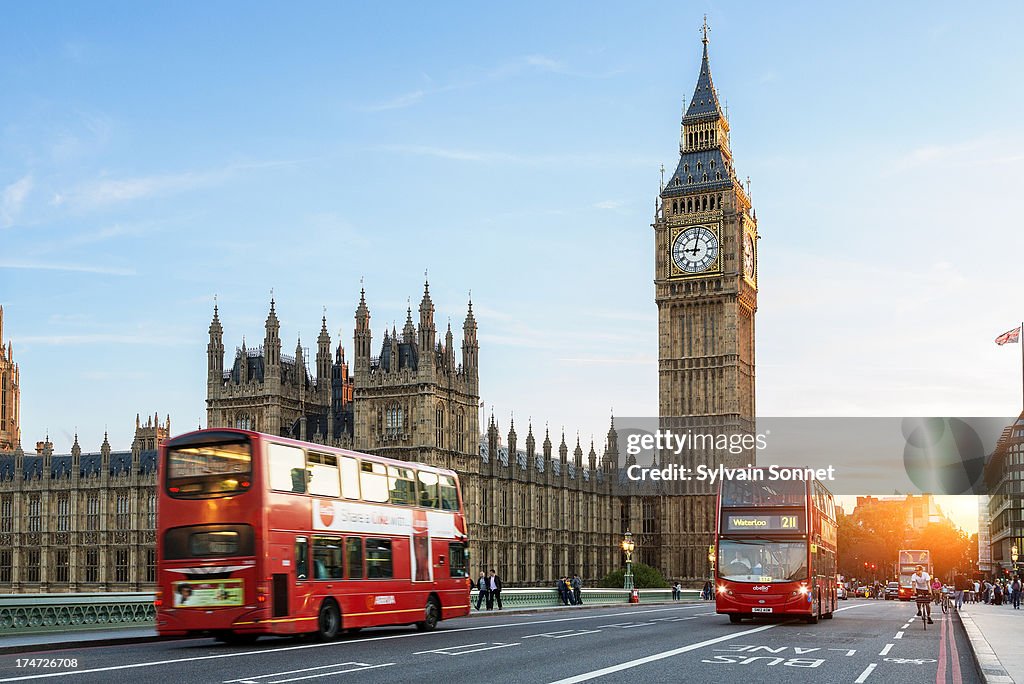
{"points": [[32, 613], [35, 613]]}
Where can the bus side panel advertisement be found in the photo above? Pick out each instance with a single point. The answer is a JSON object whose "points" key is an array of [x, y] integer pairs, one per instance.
{"points": [[346, 516], [208, 593]]}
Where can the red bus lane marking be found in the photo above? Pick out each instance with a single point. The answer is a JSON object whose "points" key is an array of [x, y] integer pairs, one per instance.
{"points": [[940, 675], [954, 654]]}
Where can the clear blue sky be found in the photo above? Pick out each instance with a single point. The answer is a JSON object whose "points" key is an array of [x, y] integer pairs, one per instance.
{"points": [[154, 156]]}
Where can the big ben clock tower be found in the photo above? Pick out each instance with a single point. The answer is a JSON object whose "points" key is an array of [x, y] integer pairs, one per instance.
{"points": [[705, 238]]}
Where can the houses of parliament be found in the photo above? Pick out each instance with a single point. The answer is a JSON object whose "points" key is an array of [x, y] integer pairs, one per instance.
{"points": [[538, 506]]}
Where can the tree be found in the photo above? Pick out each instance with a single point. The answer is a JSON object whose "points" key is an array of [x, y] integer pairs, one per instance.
{"points": [[644, 577]]}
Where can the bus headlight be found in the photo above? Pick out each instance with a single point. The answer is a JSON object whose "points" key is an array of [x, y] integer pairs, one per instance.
{"points": [[802, 589]]}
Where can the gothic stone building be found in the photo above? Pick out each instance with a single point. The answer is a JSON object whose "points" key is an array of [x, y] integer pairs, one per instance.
{"points": [[80, 521], [10, 395]]}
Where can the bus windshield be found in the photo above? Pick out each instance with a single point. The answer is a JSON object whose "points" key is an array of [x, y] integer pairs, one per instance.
{"points": [[742, 493], [762, 561], [213, 468]]}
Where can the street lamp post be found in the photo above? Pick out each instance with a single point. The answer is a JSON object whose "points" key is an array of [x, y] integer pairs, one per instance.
{"points": [[1013, 557], [628, 545], [711, 560]]}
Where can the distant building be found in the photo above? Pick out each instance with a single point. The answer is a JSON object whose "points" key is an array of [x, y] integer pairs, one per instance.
{"points": [[984, 535], [916, 512], [1004, 471], [80, 521]]}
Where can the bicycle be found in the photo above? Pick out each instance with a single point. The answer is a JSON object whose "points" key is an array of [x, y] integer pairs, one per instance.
{"points": [[945, 604], [923, 600]]}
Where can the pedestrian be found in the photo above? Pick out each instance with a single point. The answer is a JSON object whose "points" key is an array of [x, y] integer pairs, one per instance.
{"points": [[568, 590], [709, 591], [563, 596], [577, 589], [494, 584], [483, 592], [960, 585], [1016, 587], [997, 595], [676, 587]]}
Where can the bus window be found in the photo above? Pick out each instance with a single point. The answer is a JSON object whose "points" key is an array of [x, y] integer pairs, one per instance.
{"points": [[327, 558], [354, 551], [323, 474], [200, 541], [374, 481], [349, 477], [287, 468], [401, 486], [449, 495], [458, 560], [378, 559], [301, 558], [213, 467], [430, 495]]}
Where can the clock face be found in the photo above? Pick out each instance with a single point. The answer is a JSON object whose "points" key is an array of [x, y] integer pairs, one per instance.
{"points": [[695, 250], [748, 255]]}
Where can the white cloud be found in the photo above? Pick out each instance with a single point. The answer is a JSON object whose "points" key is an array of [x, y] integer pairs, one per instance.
{"points": [[609, 204], [12, 199], [75, 268]]}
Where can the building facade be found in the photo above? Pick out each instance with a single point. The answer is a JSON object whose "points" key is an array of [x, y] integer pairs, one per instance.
{"points": [[1004, 473], [80, 521]]}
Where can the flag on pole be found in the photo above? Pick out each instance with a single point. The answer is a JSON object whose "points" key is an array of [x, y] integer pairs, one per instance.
{"points": [[1009, 337]]}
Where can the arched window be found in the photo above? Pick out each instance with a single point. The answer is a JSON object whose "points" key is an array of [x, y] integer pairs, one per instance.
{"points": [[439, 426], [393, 419]]}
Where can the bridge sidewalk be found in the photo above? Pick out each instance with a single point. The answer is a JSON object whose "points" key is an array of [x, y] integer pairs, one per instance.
{"points": [[995, 636]]}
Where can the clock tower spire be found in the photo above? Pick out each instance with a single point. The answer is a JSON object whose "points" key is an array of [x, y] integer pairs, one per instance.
{"points": [[705, 238]]}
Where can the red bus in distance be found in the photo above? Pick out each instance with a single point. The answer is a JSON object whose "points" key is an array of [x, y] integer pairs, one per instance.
{"points": [[775, 548], [258, 534]]}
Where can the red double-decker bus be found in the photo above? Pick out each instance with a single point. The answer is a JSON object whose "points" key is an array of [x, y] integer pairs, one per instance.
{"points": [[259, 534], [776, 547]]}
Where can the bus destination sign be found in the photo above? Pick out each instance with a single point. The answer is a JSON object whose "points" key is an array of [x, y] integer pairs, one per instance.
{"points": [[744, 522]]}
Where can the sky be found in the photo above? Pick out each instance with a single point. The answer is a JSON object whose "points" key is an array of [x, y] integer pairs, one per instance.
{"points": [[153, 157]]}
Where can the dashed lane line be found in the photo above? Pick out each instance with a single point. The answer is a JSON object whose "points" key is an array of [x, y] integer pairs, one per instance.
{"points": [[885, 651], [865, 674], [899, 635]]}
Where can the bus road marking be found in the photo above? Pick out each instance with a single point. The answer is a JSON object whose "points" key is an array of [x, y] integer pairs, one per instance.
{"points": [[630, 664], [865, 674], [899, 635], [467, 648], [359, 667], [849, 651], [563, 633], [885, 651]]}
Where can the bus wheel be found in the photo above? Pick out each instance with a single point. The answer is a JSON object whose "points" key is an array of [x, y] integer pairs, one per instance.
{"points": [[811, 619], [735, 619], [431, 615], [329, 622]]}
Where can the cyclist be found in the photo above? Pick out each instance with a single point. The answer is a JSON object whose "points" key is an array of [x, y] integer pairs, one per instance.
{"points": [[936, 590], [921, 581]]}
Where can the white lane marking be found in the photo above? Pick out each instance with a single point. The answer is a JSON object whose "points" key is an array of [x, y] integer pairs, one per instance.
{"points": [[899, 635], [702, 614], [347, 642], [565, 633], [885, 651], [658, 656], [906, 626], [865, 674], [849, 651], [674, 619], [326, 674], [467, 648], [288, 672]]}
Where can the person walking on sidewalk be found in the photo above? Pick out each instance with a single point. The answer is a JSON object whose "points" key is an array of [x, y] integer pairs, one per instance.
{"points": [[483, 593], [577, 588], [494, 584], [1015, 588]]}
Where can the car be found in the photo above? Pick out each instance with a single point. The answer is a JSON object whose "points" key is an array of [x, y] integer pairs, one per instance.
{"points": [[864, 591], [841, 592], [892, 591]]}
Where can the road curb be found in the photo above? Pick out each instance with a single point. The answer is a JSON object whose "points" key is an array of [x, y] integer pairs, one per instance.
{"points": [[88, 643], [986, 660]]}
